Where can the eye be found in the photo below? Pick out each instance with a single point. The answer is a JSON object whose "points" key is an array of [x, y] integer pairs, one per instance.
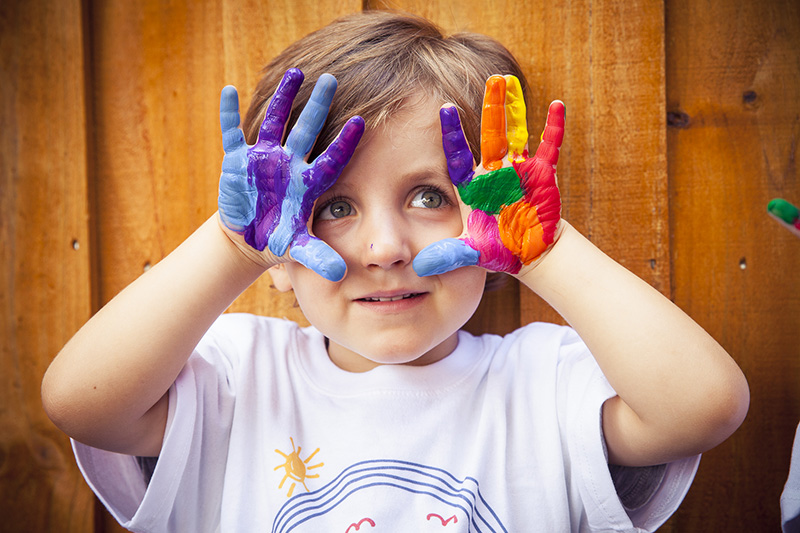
{"points": [[428, 199], [334, 209]]}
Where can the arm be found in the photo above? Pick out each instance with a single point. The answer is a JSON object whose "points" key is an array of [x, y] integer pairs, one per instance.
{"points": [[679, 392], [108, 386]]}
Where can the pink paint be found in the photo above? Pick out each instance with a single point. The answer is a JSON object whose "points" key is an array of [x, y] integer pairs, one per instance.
{"points": [[484, 235]]}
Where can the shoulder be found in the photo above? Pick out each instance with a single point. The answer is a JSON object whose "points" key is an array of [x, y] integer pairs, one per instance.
{"points": [[243, 330], [238, 339], [534, 343]]}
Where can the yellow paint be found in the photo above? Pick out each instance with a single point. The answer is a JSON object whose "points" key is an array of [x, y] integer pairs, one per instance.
{"points": [[494, 145], [516, 122]]}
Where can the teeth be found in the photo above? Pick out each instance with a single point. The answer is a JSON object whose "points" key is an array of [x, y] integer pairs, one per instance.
{"points": [[392, 299]]}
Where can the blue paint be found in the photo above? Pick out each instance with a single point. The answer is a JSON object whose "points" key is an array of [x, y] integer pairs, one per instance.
{"points": [[290, 222], [444, 256], [311, 120], [237, 198]]}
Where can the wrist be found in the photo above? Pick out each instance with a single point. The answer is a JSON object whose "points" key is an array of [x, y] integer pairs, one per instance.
{"points": [[252, 260], [526, 270]]}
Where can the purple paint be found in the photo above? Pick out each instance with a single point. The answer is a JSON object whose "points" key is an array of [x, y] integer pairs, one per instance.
{"points": [[456, 149]]}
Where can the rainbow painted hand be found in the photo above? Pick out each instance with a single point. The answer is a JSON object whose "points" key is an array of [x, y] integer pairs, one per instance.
{"points": [[786, 214], [267, 191], [514, 200]]}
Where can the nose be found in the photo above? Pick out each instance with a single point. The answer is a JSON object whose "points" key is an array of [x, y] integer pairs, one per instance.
{"points": [[386, 241]]}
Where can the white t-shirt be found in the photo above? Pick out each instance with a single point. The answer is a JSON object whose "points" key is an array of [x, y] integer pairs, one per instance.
{"points": [[266, 433]]}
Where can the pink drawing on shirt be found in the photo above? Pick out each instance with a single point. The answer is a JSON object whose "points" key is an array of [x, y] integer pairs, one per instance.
{"points": [[358, 526], [444, 522]]}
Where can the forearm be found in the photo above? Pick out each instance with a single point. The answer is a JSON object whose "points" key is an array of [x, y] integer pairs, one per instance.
{"points": [[106, 380], [681, 392]]}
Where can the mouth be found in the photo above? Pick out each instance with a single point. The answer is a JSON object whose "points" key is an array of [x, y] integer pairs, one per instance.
{"points": [[390, 298]]}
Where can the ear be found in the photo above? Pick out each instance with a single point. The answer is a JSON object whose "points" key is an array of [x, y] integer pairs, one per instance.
{"points": [[280, 277]]}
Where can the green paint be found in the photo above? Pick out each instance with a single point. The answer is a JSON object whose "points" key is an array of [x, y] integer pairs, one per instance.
{"points": [[492, 191], [783, 210]]}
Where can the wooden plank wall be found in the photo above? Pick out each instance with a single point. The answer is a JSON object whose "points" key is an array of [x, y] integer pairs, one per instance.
{"points": [[46, 252], [683, 120]]}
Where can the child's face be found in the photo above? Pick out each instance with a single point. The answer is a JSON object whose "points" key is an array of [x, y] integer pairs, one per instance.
{"points": [[393, 199]]}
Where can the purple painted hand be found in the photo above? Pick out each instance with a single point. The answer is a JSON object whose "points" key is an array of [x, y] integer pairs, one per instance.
{"points": [[267, 191]]}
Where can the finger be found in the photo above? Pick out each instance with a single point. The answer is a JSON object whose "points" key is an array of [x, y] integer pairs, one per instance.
{"points": [[330, 163], [444, 256], [309, 124], [456, 149], [494, 145], [516, 122], [785, 214], [553, 134], [316, 255], [280, 106], [232, 137]]}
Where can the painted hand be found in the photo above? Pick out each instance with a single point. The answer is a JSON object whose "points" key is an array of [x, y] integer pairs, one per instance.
{"points": [[786, 214], [513, 201], [267, 191]]}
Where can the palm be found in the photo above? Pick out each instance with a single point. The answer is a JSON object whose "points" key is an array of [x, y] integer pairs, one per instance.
{"points": [[513, 201]]}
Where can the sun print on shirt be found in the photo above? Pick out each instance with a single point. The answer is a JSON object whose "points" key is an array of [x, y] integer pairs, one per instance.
{"points": [[296, 468]]}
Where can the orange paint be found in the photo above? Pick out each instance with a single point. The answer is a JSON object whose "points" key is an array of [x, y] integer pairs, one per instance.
{"points": [[494, 145], [521, 231]]}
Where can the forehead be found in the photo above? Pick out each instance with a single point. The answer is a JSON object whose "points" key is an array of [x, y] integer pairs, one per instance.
{"points": [[405, 149], [418, 116]]}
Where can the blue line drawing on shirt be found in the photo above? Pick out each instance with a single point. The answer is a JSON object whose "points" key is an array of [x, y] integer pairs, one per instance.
{"points": [[419, 480]]}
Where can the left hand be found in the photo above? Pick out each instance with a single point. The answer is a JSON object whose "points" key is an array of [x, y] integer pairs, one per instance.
{"points": [[513, 202]]}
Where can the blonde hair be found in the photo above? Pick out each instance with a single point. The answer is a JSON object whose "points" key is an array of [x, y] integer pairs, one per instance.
{"points": [[381, 60]]}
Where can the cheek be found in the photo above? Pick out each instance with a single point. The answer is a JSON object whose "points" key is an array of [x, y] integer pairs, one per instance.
{"points": [[309, 289], [435, 227], [466, 289]]}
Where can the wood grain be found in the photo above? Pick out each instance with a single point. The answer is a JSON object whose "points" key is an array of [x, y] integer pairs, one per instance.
{"points": [[733, 79], [45, 249]]}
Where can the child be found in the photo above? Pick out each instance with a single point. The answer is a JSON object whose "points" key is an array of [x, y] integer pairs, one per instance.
{"points": [[383, 415]]}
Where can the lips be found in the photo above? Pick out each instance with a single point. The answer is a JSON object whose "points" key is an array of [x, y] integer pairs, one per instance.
{"points": [[389, 298]]}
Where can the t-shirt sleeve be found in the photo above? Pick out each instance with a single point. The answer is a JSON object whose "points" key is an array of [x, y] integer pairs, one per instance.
{"points": [[652, 495], [201, 405]]}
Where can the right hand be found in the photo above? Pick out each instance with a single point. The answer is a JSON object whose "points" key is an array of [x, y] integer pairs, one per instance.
{"points": [[786, 214], [267, 191]]}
